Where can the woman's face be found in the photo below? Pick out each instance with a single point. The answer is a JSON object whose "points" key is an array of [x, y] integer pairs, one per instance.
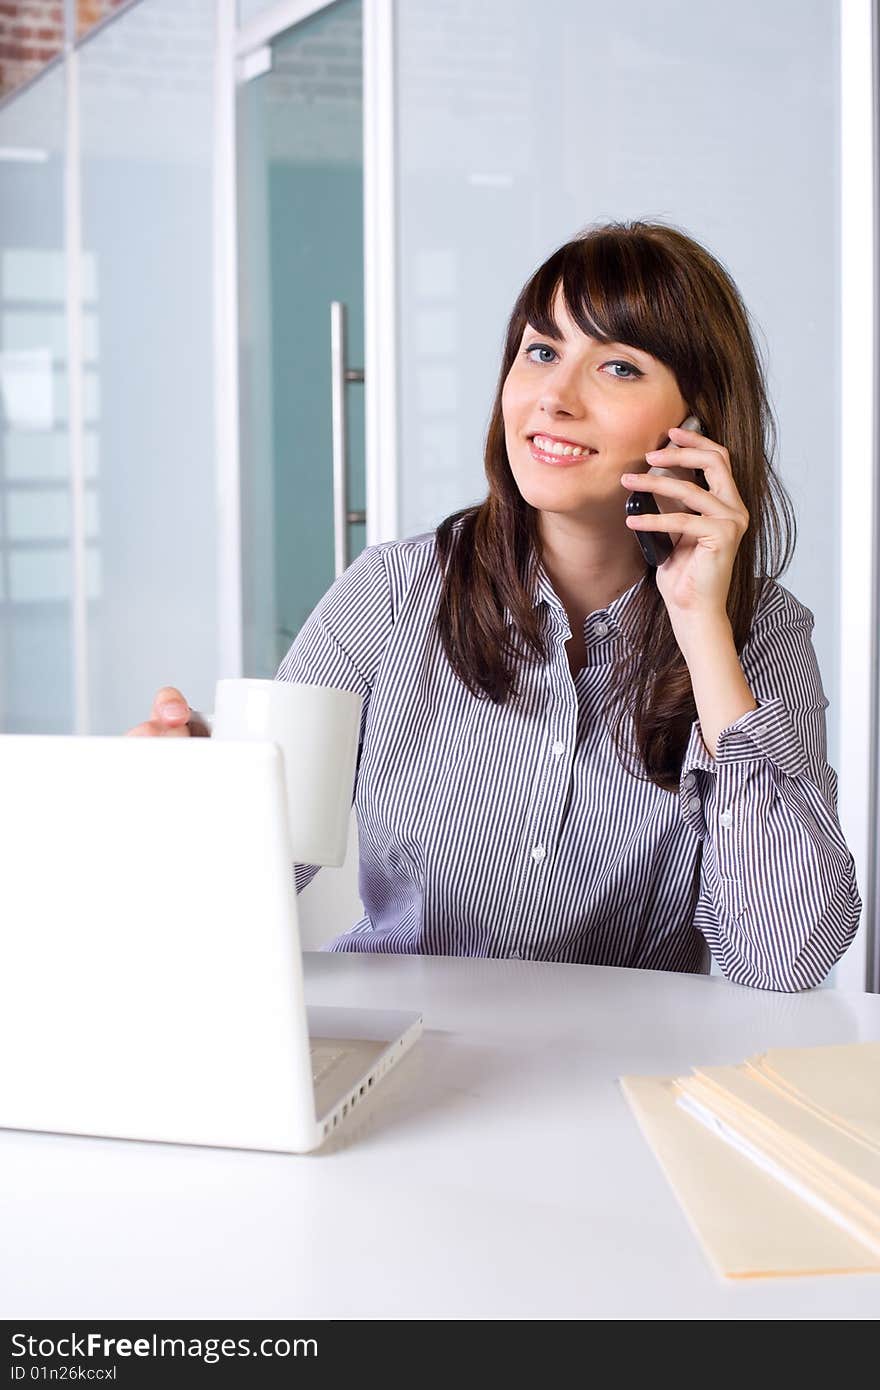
{"points": [[614, 401]]}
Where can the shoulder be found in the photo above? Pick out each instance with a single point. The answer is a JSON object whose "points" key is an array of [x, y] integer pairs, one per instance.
{"points": [[409, 556], [778, 607], [382, 578], [779, 647], [411, 566]]}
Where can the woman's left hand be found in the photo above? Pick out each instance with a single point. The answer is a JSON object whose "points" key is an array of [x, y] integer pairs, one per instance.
{"points": [[695, 581]]}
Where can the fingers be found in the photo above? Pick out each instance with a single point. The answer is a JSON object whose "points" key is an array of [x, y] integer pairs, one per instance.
{"points": [[170, 707], [168, 717], [703, 527], [670, 491], [155, 728], [713, 461]]}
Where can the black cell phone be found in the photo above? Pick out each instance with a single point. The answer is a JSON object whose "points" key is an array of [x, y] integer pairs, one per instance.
{"points": [[656, 545]]}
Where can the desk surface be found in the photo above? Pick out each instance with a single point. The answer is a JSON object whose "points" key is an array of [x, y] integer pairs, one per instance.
{"points": [[497, 1173]]}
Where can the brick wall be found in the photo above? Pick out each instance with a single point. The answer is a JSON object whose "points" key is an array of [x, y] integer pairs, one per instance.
{"points": [[32, 33]]}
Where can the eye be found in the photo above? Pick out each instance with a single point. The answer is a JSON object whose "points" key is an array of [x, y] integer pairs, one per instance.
{"points": [[539, 347], [633, 372], [629, 367]]}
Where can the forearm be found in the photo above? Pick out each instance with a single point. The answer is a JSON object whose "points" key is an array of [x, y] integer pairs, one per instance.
{"points": [[721, 691], [779, 902]]}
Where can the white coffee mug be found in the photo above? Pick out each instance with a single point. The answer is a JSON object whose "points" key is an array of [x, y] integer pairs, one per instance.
{"points": [[317, 730]]}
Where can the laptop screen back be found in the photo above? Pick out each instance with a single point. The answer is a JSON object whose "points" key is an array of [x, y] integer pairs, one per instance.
{"points": [[150, 970]]}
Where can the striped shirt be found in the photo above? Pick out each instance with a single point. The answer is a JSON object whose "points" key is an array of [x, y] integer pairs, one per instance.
{"points": [[514, 830]]}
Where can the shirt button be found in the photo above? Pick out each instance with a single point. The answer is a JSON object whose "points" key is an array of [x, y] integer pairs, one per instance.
{"points": [[689, 779], [601, 629], [558, 748], [726, 819], [538, 853]]}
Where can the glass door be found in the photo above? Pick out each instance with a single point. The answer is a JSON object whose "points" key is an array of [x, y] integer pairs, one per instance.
{"points": [[300, 250]]}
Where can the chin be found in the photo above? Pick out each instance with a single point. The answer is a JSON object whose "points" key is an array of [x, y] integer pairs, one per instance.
{"points": [[559, 498]]}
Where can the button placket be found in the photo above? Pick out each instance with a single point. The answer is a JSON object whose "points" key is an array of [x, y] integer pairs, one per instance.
{"points": [[545, 810], [552, 785], [557, 748], [691, 804]]}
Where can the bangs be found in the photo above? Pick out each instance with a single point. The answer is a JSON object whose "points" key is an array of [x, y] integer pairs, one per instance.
{"points": [[616, 291]]}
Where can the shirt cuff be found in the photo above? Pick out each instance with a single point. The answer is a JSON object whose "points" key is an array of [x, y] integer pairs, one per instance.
{"points": [[765, 732]]}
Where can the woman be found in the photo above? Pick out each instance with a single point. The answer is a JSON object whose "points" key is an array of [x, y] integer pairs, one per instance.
{"points": [[566, 753]]}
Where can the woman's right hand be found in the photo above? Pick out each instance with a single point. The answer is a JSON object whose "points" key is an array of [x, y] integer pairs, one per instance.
{"points": [[171, 717]]}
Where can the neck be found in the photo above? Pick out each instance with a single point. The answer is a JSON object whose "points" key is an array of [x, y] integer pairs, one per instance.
{"points": [[588, 567]]}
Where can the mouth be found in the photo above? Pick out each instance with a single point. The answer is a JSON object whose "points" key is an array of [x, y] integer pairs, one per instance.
{"points": [[548, 448]]}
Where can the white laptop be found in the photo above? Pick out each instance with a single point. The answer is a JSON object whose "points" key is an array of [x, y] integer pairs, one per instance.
{"points": [[151, 979]]}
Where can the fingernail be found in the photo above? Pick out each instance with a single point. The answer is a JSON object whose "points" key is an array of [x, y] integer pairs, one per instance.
{"points": [[173, 710]]}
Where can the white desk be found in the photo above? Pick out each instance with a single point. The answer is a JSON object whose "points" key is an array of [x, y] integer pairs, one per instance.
{"points": [[497, 1173]]}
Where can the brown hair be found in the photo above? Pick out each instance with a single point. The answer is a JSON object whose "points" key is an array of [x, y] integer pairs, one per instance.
{"points": [[653, 287]]}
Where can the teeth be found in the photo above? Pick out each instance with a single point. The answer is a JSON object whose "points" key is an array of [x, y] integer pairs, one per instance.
{"points": [[550, 446]]}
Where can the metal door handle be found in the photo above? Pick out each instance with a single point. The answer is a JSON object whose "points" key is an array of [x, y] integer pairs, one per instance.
{"points": [[340, 375]]}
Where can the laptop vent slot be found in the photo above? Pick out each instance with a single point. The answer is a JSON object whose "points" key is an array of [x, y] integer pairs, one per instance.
{"points": [[353, 1098]]}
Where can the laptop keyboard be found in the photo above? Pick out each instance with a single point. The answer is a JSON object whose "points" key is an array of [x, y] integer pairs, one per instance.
{"points": [[324, 1057]]}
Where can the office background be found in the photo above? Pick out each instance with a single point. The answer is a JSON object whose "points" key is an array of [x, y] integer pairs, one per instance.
{"points": [[187, 186]]}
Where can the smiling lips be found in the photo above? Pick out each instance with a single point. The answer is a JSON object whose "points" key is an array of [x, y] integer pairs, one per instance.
{"points": [[560, 453]]}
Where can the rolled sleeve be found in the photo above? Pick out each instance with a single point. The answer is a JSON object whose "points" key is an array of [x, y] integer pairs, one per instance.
{"points": [[778, 901]]}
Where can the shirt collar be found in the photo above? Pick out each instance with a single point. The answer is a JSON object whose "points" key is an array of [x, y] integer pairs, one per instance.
{"points": [[613, 614]]}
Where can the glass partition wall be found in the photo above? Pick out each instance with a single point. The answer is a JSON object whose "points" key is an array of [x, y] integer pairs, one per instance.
{"points": [[108, 535], [147, 217], [36, 630], [300, 253]]}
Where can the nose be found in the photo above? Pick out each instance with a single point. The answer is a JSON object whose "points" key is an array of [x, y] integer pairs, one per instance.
{"points": [[559, 395]]}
